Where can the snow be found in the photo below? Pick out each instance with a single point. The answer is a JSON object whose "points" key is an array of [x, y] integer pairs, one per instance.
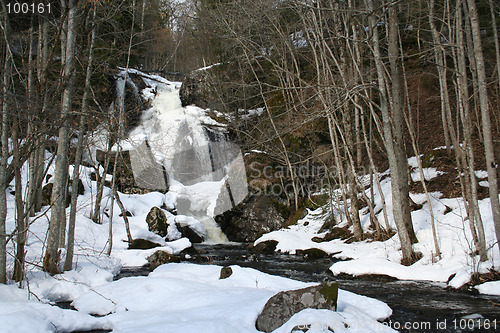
{"points": [[455, 267], [316, 321], [429, 173], [192, 298], [178, 298], [174, 297], [19, 314], [491, 288]]}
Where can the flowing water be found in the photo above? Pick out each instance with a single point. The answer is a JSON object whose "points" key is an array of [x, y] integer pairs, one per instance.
{"points": [[422, 306]]}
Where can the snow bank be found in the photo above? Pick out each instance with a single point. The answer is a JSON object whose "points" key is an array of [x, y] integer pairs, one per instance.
{"points": [[18, 314], [191, 298], [491, 288]]}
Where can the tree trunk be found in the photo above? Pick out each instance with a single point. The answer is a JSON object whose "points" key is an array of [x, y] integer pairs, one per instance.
{"points": [[5, 144], [20, 215], [400, 196], [471, 196], [489, 151], [68, 264], [58, 214], [96, 215]]}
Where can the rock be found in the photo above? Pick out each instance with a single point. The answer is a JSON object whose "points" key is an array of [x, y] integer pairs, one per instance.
{"points": [[189, 233], [198, 88], [313, 253], [142, 244], [137, 172], [266, 247], [161, 257], [282, 306], [46, 193], [80, 188], [189, 253], [157, 221], [251, 219], [225, 272]]}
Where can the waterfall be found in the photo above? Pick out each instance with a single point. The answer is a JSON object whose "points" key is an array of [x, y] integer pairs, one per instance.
{"points": [[205, 169]]}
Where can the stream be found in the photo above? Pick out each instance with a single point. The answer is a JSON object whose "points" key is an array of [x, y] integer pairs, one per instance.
{"points": [[417, 306]]}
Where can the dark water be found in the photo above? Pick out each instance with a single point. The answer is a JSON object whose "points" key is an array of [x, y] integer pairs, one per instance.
{"points": [[417, 306]]}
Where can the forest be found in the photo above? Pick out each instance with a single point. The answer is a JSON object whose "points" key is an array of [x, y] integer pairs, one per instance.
{"points": [[344, 89]]}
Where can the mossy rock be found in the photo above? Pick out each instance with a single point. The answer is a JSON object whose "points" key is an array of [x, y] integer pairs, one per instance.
{"points": [[225, 272], [282, 306], [313, 253], [331, 292], [299, 214], [317, 201], [266, 247], [157, 221], [282, 209], [161, 257], [429, 158]]}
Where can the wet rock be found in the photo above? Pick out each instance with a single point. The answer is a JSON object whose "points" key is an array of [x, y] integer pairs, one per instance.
{"points": [[142, 244], [282, 306], [189, 233], [157, 221], [161, 257], [251, 219], [189, 253], [266, 247], [312, 253], [225, 272]]}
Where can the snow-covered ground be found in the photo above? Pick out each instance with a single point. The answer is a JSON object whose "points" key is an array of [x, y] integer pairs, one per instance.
{"points": [[173, 298]]}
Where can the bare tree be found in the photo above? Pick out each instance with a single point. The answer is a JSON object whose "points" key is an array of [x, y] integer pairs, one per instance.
{"points": [[5, 141], [57, 225], [489, 151]]}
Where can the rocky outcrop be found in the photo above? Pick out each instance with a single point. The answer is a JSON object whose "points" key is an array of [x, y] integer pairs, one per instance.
{"points": [[282, 306], [157, 221], [137, 171], [251, 219], [218, 87], [195, 89], [161, 257]]}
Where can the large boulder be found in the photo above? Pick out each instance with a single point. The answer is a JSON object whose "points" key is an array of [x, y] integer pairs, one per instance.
{"points": [[157, 221], [251, 219], [282, 306]]}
